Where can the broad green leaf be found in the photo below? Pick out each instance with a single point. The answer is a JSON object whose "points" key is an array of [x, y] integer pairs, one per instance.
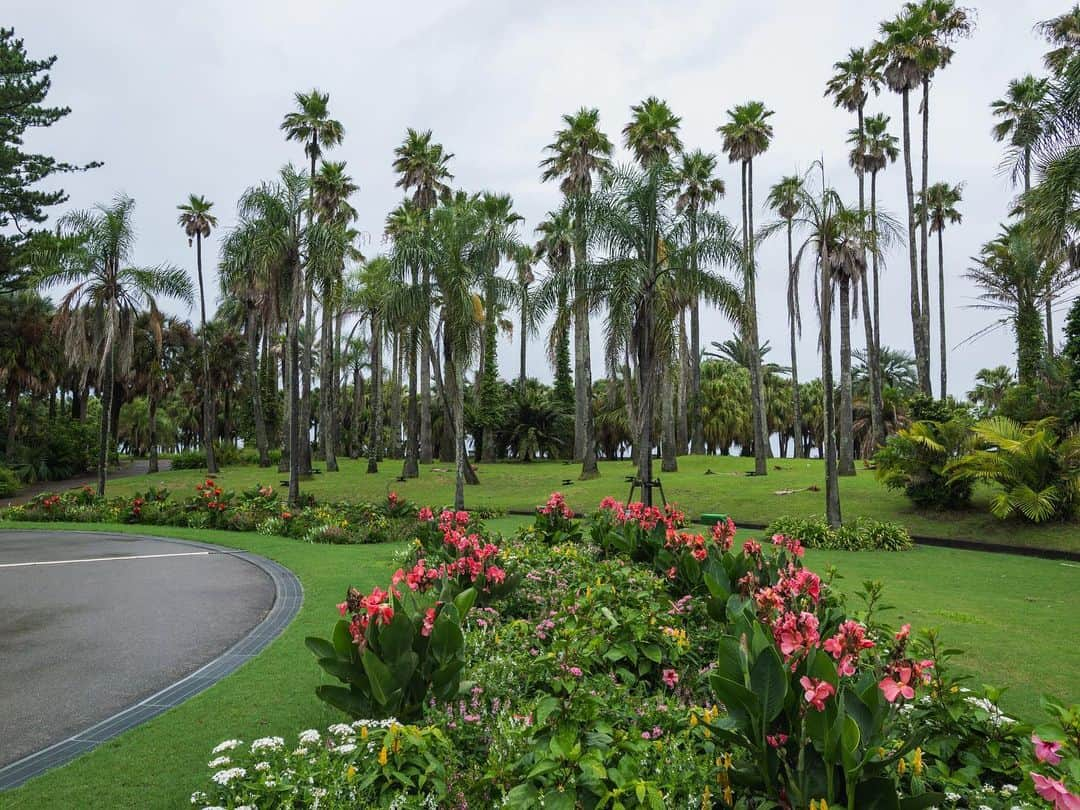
{"points": [[769, 682]]}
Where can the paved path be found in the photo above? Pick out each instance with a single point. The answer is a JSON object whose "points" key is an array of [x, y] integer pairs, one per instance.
{"points": [[139, 466], [90, 624]]}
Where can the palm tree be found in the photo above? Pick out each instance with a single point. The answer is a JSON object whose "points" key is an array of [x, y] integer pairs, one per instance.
{"points": [[879, 149], [272, 213], [652, 133], [1021, 115], [746, 135], [556, 249], [376, 282], [991, 385], [785, 198], [197, 221], [580, 153], [421, 166], [524, 257], [105, 292], [699, 188], [939, 205], [850, 87], [28, 353], [645, 248], [311, 125]]}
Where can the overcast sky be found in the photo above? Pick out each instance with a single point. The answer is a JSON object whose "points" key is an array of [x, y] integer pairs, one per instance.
{"points": [[177, 98]]}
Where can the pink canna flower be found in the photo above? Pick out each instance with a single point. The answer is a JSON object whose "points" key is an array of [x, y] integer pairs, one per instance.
{"points": [[1046, 751], [897, 687], [816, 692], [670, 678], [1055, 792], [777, 740]]}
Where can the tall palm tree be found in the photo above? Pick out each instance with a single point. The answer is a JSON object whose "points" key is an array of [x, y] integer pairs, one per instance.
{"points": [[332, 188], [699, 188], [939, 206], [652, 133], [746, 135], [1021, 117], [106, 293], [555, 248], [311, 125], [274, 213], [850, 87], [421, 166], [644, 244], [376, 280], [197, 221], [785, 199], [580, 153], [524, 257], [878, 149]]}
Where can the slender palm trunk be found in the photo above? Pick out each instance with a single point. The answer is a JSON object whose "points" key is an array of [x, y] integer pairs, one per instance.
{"points": [[357, 437], [832, 482], [873, 361], [394, 447], [326, 395], [796, 396], [943, 347], [583, 363], [668, 461], [847, 444], [208, 436], [924, 272], [757, 387], [873, 331], [285, 464], [646, 397], [152, 406], [296, 434], [697, 428], [455, 391], [259, 417], [524, 337], [104, 431], [875, 270], [922, 361], [682, 423], [411, 467], [426, 449], [375, 418]]}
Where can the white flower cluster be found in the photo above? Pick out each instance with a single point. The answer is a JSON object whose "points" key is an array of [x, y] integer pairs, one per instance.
{"points": [[389, 722], [267, 744], [228, 745], [309, 737], [229, 774], [218, 762], [997, 717]]}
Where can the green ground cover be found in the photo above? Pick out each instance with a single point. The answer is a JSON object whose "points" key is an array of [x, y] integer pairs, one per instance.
{"points": [[1014, 616], [515, 486]]}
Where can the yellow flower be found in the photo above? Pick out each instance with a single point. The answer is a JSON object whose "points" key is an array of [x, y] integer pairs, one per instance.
{"points": [[724, 761], [693, 720], [815, 804], [706, 796], [383, 758], [901, 766], [350, 773], [708, 733], [363, 732], [728, 795], [916, 762]]}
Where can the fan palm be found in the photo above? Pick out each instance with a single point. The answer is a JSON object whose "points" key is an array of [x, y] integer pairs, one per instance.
{"points": [[991, 385], [311, 125], [653, 132], [699, 188], [850, 86], [580, 153], [938, 205], [197, 221], [785, 199], [1021, 113], [92, 259], [747, 134], [422, 167]]}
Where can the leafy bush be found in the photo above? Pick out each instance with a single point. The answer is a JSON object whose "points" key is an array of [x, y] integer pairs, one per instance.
{"points": [[1037, 471], [189, 460], [914, 460], [9, 483], [59, 448], [860, 534]]}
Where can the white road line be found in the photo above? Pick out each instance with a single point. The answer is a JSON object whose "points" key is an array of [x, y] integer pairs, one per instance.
{"points": [[106, 559]]}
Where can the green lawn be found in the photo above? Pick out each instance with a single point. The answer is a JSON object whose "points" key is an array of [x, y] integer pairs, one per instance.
{"points": [[748, 499], [1013, 615]]}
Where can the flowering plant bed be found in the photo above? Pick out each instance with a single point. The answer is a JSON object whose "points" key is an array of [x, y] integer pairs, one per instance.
{"points": [[636, 664]]}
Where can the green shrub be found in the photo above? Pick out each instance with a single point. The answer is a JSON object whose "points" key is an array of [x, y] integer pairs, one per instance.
{"points": [[915, 459], [9, 483], [189, 460], [860, 534]]}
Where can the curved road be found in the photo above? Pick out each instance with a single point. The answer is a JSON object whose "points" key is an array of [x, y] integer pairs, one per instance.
{"points": [[91, 624]]}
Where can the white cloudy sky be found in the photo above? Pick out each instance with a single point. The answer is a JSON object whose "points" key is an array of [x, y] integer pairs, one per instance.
{"points": [[187, 97]]}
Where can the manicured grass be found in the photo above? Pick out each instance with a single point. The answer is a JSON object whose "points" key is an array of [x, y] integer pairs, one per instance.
{"points": [[747, 499], [1013, 615], [160, 763]]}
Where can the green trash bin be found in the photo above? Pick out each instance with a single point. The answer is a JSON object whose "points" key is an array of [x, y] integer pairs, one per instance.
{"points": [[712, 518]]}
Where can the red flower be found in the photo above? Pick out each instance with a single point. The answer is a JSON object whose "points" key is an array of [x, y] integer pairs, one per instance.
{"points": [[816, 692]]}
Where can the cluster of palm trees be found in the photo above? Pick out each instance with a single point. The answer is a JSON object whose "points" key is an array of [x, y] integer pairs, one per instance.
{"points": [[639, 243]]}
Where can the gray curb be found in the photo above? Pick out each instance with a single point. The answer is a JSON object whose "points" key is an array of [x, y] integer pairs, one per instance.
{"points": [[288, 597]]}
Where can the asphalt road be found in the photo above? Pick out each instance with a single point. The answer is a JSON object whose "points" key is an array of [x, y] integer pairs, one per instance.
{"points": [[118, 619]]}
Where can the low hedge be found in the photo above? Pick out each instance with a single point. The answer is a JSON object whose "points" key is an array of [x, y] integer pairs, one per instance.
{"points": [[861, 534]]}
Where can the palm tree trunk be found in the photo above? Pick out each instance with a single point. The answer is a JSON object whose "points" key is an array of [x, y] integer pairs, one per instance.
{"points": [[922, 362], [208, 436], [847, 443], [583, 364], [296, 305], [426, 449], [326, 382], [943, 347], [258, 416], [152, 406], [394, 446], [357, 436], [375, 418], [12, 418], [875, 270], [757, 387], [411, 467], [285, 464], [796, 396], [105, 432], [305, 370], [682, 423], [455, 391], [924, 271], [697, 426], [832, 481], [524, 337], [873, 363], [668, 461]]}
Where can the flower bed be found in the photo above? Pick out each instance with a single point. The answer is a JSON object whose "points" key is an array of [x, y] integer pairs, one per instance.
{"points": [[625, 661], [211, 507]]}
